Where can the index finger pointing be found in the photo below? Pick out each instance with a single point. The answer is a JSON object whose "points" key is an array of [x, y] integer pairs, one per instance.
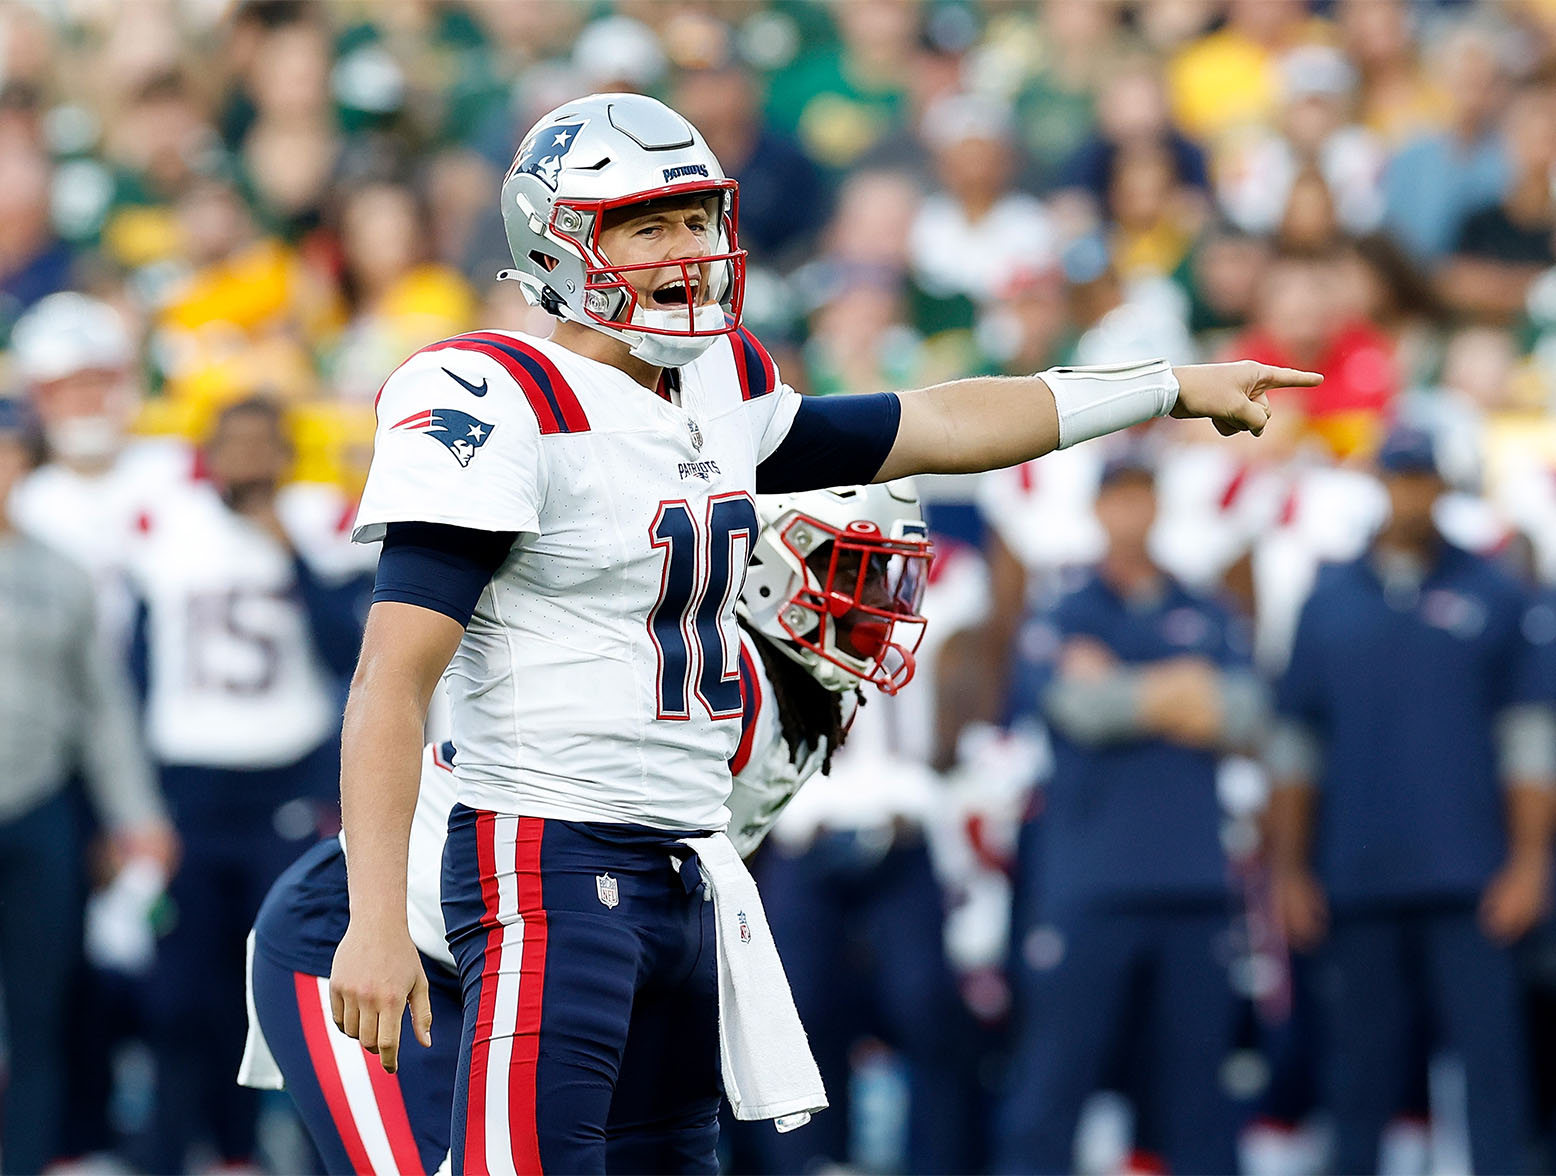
{"points": [[1284, 377]]}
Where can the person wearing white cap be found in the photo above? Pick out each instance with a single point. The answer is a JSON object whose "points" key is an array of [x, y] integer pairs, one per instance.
{"points": [[74, 359], [976, 233]]}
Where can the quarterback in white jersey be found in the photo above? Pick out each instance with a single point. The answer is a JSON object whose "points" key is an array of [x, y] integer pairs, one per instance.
{"points": [[798, 678], [564, 524]]}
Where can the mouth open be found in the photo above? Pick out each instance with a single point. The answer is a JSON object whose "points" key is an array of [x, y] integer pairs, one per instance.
{"points": [[678, 293]]}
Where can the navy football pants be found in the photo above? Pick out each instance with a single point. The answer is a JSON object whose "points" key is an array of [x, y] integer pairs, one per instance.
{"points": [[360, 1118], [1159, 971], [861, 936], [234, 848], [1378, 974], [588, 965]]}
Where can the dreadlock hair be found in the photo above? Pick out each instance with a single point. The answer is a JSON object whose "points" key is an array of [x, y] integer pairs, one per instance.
{"points": [[808, 713]]}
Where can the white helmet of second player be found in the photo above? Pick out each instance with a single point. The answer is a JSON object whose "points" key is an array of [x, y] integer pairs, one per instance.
{"points": [[836, 580], [609, 151]]}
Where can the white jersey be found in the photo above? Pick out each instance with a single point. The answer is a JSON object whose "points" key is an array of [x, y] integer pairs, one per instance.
{"points": [[598, 678], [766, 778], [93, 519], [766, 773], [235, 681]]}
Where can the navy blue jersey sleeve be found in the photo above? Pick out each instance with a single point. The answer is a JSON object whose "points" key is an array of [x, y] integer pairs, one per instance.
{"points": [[834, 441], [335, 612], [439, 567]]}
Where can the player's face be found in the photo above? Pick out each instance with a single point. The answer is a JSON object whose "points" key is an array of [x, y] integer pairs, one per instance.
{"points": [[867, 580], [95, 392], [247, 452], [1126, 508], [84, 414], [1411, 499], [646, 233]]}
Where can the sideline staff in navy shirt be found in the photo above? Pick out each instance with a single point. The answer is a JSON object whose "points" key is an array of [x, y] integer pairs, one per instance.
{"points": [[1145, 687], [1410, 822]]}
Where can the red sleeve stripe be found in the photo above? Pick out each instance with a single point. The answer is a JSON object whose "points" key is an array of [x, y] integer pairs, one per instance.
{"points": [[755, 368], [539, 373], [550, 397], [751, 707]]}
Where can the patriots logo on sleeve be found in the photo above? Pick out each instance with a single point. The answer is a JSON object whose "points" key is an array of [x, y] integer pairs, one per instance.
{"points": [[542, 155], [458, 432]]}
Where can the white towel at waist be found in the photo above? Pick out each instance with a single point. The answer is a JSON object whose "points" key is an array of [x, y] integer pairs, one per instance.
{"points": [[769, 1072], [258, 1067]]}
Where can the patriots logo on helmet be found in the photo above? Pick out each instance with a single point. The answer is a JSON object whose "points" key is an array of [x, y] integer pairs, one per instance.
{"points": [[542, 155], [458, 432]]}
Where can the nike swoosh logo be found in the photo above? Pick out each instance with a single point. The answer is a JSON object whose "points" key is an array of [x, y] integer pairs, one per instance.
{"points": [[473, 389]]}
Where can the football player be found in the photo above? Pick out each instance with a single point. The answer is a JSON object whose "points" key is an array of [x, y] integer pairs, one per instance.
{"points": [[565, 523], [831, 603], [249, 619]]}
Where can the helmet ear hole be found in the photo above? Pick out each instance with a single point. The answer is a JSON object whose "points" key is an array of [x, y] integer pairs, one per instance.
{"points": [[544, 260]]}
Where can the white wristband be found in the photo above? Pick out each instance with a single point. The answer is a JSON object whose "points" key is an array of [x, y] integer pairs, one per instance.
{"points": [[1093, 401]]}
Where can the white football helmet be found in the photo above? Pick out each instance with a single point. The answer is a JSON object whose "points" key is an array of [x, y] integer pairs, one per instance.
{"points": [[608, 151], [836, 579]]}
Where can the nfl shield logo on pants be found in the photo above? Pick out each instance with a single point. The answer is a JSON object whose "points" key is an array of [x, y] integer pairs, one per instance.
{"points": [[605, 886]]}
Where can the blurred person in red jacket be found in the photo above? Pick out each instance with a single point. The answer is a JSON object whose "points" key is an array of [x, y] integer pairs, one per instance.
{"points": [[1300, 318]]}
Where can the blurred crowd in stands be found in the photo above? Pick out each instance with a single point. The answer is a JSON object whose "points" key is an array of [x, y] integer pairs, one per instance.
{"points": [[1183, 853]]}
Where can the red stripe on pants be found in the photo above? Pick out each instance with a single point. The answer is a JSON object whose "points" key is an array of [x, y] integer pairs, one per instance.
{"points": [[491, 963], [391, 1109], [522, 1093], [322, 1055]]}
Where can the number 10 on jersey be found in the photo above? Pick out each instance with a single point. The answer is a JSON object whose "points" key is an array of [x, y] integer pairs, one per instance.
{"points": [[693, 622]]}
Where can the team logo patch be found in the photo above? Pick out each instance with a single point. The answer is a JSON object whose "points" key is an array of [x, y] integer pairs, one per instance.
{"points": [[458, 432], [706, 470], [608, 890], [542, 155], [745, 927]]}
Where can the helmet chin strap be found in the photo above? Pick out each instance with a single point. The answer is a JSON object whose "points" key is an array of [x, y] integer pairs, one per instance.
{"points": [[666, 351], [674, 350]]}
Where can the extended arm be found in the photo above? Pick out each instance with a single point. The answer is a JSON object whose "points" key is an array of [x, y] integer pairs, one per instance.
{"points": [[990, 422]]}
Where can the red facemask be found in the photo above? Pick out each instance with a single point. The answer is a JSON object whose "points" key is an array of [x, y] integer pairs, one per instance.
{"points": [[866, 596]]}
